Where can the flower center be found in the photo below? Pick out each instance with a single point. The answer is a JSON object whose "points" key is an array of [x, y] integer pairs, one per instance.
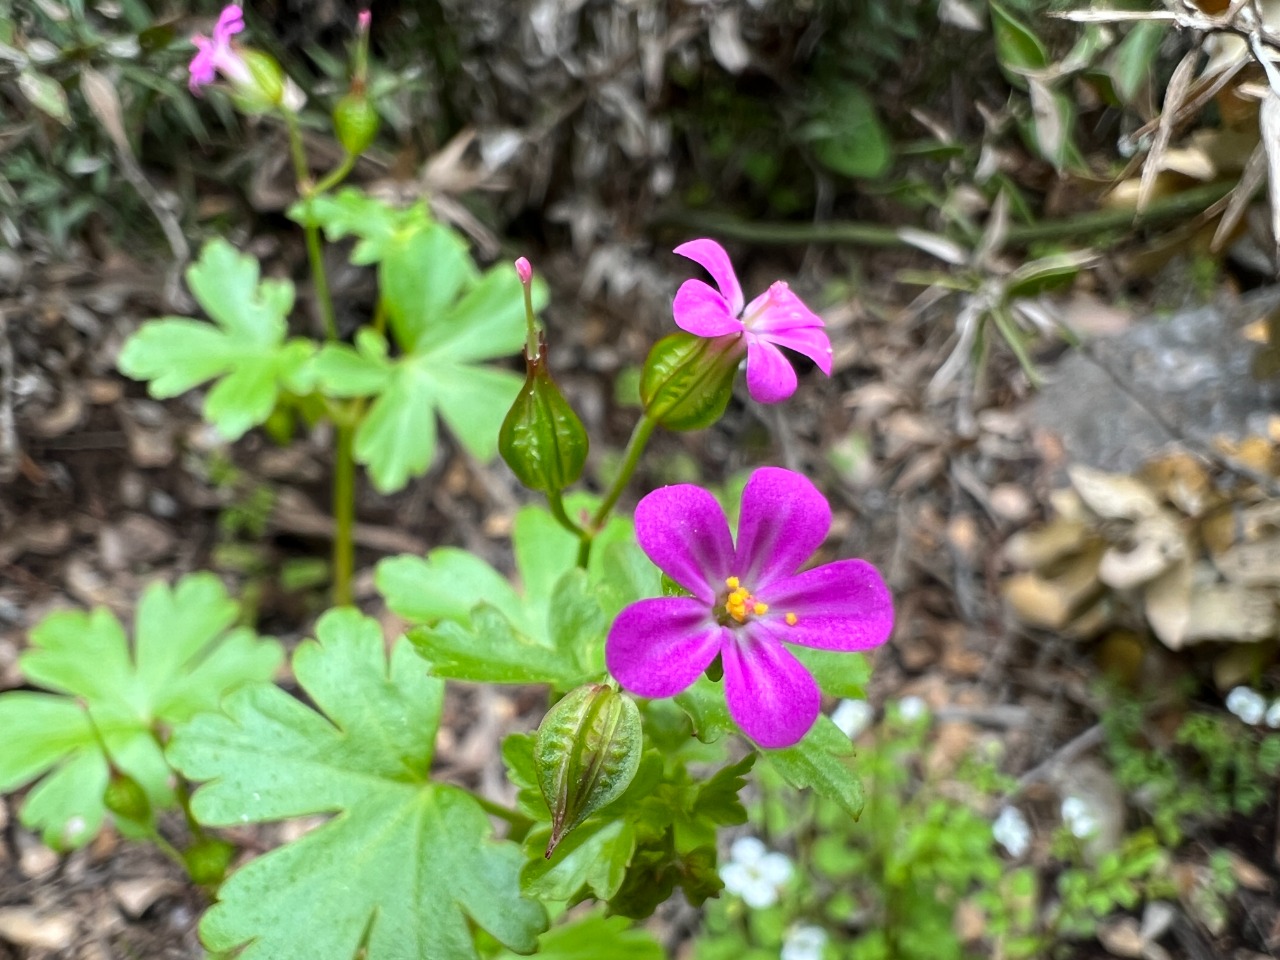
{"points": [[772, 300], [739, 604]]}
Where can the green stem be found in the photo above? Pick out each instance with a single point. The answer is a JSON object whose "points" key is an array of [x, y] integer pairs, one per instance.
{"points": [[315, 255], [556, 502], [531, 324], [336, 175], [635, 447], [344, 511], [520, 824], [1079, 228]]}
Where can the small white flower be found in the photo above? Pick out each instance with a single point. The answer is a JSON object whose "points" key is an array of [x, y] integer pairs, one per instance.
{"points": [[755, 874], [911, 709], [1247, 704], [1011, 831], [1273, 715], [1079, 819], [804, 943], [852, 717]]}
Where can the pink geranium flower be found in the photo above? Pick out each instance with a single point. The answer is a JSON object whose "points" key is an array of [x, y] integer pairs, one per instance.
{"points": [[776, 318], [748, 602], [218, 55]]}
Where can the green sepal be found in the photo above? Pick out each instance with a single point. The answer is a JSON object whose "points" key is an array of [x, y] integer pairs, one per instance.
{"points": [[687, 381], [207, 861], [587, 751], [356, 123], [542, 440], [263, 91], [127, 799]]}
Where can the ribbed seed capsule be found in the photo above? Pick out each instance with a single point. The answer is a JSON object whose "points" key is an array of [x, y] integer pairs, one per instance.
{"points": [[587, 752]]}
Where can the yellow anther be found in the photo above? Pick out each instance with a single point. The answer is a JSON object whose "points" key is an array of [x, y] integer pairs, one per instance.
{"points": [[732, 583], [760, 609], [791, 619]]}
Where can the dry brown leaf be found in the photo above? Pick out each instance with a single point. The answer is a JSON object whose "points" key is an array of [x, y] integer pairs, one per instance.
{"points": [[1254, 564], [1175, 93], [1113, 496], [1042, 547], [1227, 611], [1121, 938], [1153, 544], [1240, 663], [1269, 126], [1167, 603], [1247, 875], [1182, 480], [1241, 197], [1093, 621], [1053, 603]]}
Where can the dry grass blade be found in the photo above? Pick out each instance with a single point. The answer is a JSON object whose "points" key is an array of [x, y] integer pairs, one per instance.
{"points": [[104, 102], [1241, 195], [1179, 84], [102, 99], [1269, 124], [995, 232]]}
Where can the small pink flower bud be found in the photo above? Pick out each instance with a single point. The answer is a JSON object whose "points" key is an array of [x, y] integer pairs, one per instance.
{"points": [[523, 270], [363, 20]]}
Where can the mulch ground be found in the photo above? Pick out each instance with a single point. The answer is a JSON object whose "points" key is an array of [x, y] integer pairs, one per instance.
{"points": [[105, 490]]}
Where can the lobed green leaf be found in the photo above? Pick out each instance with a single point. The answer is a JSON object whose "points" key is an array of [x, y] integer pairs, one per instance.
{"points": [[404, 868]]}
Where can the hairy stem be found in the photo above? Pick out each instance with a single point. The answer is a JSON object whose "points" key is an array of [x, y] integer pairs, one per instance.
{"points": [[315, 255], [344, 512], [520, 824], [635, 447], [1080, 227], [556, 502]]}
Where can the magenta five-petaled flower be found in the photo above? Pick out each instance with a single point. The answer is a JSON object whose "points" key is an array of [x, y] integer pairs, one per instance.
{"points": [[776, 318], [218, 55], [748, 602]]}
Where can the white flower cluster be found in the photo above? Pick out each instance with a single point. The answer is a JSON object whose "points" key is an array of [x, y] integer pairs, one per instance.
{"points": [[1012, 832], [1079, 817], [804, 942], [1251, 707], [853, 717], [912, 709], [754, 873]]}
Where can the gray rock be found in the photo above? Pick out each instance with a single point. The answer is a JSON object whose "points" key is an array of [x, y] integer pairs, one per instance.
{"points": [[1119, 400]]}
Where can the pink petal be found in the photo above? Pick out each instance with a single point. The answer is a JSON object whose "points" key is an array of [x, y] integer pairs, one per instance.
{"points": [[770, 694], [713, 257], [202, 67], [701, 311], [770, 377], [839, 606], [780, 317], [230, 22], [784, 519], [683, 530], [812, 342], [656, 648]]}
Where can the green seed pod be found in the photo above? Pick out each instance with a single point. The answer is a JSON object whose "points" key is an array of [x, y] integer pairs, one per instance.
{"points": [[125, 797], [687, 381], [587, 752], [542, 440], [207, 860], [356, 122]]}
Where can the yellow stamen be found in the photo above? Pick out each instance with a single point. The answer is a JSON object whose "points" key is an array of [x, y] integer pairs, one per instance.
{"points": [[760, 609], [791, 619], [732, 583]]}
